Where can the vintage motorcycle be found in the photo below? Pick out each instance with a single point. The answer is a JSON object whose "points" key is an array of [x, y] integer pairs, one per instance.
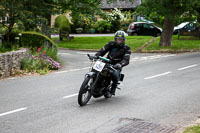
{"points": [[98, 81]]}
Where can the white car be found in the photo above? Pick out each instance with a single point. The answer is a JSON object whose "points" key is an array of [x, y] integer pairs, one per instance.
{"points": [[185, 26]]}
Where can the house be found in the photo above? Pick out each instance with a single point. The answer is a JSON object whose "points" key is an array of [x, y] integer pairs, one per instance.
{"points": [[125, 5]]}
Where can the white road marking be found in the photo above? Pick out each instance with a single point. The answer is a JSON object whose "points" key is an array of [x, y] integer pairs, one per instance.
{"points": [[155, 56], [150, 57], [64, 53], [70, 95], [84, 53], [158, 75], [61, 72], [74, 70], [85, 68], [13, 111], [169, 55], [183, 68]]}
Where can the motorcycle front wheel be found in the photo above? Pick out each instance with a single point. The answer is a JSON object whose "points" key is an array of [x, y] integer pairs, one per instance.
{"points": [[85, 91]]}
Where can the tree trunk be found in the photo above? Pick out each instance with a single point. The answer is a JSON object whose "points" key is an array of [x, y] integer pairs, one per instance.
{"points": [[167, 33], [9, 32], [198, 18]]}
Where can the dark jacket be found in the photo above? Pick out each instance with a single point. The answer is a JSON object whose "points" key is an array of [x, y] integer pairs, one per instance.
{"points": [[117, 54]]}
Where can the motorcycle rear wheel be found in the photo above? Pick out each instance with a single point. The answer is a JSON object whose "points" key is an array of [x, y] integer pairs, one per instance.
{"points": [[85, 91]]}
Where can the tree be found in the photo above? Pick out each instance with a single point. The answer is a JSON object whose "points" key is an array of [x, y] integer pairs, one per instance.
{"points": [[78, 7], [26, 14], [12, 9], [29, 14], [171, 11]]}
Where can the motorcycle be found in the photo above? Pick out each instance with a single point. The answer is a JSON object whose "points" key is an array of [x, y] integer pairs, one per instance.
{"points": [[97, 81]]}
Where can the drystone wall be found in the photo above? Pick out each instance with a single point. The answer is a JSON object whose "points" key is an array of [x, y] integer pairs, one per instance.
{"points": [[10, 62]]}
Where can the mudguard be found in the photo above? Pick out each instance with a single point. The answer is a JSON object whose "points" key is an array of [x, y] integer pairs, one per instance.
{"points": [[91, 74]]}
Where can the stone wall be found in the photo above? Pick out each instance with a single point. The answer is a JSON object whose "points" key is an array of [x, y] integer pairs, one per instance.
{"points": [[10, 62]]}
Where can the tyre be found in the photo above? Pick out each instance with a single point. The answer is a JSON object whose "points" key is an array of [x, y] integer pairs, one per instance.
{"points": [[108, 95], [157, 34], [85, 91]]}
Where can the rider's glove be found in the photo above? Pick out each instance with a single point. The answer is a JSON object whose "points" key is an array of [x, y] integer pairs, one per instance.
{"points": [[94, 57], [117, 66]]}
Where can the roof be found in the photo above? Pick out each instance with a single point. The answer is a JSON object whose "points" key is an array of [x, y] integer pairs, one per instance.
{"points": [[124, 4]]}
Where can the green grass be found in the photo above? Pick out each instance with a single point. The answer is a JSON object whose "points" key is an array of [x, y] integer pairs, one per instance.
{"points": [[95, 43], [194, 129], [185, 43]]}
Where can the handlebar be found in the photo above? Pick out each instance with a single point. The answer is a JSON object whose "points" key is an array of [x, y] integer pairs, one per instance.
{"points": [[92, 58], [99, 57]]}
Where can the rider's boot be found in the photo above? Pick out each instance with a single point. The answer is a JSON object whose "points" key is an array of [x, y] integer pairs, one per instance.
{"points": [[113, 89]]}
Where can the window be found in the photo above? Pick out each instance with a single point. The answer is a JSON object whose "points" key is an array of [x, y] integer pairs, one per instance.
{"points": [[146, 26], [138, 26]]}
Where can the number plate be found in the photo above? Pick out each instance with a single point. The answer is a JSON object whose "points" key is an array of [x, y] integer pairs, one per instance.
{"points": [[99, 66]]}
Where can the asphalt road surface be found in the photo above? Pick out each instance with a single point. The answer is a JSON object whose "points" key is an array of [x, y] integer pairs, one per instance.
{"points": [[159, 92]]}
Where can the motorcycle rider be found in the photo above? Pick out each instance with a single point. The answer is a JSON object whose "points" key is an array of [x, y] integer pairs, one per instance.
{"points": [[119, 54]]}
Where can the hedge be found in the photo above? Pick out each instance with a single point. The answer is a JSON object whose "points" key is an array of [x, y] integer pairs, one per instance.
{"points": [[62, 23], [35, 40]]}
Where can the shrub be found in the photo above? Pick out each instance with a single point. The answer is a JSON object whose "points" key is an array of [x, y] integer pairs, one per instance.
{"points": [[62, 23], [39, 61], [8, 46], [35, 40], [102, 26], [41, 53], [115, 18]]}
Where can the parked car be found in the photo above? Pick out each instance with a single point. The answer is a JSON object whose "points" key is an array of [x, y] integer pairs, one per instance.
{"points": [[143, 28], [185, 26]]}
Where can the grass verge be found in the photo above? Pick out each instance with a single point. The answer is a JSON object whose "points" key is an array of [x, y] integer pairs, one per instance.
{"points": [[185, 44], [95, 43], [193, 129]]}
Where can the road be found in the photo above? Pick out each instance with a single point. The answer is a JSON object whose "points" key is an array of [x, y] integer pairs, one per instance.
{"points": [[159, 92]]}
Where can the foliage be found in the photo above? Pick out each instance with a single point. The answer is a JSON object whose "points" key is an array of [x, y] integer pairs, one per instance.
{"points": [[127, 19], [31, 14], [78, 7], [62, 23], [193, 129], [8, 46], [171, 11], [82, 12], [115, 18], [84, 21], [102, 26], [26, 14], [179, 11], [35, 40], [39, 61]]}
